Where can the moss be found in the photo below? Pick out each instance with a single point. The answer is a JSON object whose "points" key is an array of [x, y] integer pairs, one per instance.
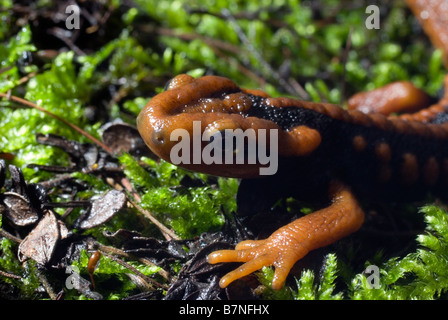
{"points": [[109, 270], [307, 286], [189, 211], [28, 282], [419, 275]]}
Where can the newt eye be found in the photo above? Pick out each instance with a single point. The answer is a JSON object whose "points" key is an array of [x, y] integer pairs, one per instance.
{"points": [[178, 81], [158, 138]]}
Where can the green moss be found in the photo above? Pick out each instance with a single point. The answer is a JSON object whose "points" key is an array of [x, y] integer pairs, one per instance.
{"points": [[308, 287], [108, 270], [57, 91], [12, 52], [189, 214], [189, 211], [419, 275], [28, 283], [137, 174]]}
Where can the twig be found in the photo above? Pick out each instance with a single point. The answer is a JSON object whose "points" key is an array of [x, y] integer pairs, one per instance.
{"points": [[344, 63], [71, 125], [127, 185], [114, 251], [191, 36], [147, 214], [219, 47], [9, 236], [60, 34], [47, 286], [302, 93], [9, 275], [48, 184], [5, 69], [26, 78], [142, 276]]}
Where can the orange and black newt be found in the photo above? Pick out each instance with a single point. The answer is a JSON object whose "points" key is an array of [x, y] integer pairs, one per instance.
{"points": [[322, 148]]}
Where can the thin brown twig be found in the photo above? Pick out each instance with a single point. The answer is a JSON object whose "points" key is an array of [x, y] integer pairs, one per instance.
{"points": [[219, 47], [46, 284], [9, 236], [60, 34], [115, 251], [9, 275], [125, 183], [143, 277], [5, 69], [248, 45], [26, 78], [344, 64], [147, 214], [192, 36], [55, 116]]}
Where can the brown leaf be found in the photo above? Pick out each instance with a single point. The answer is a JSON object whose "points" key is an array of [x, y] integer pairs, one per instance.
{"points": [[122, 137], [104, 208], [63, 231], [81, 154], [17, 179], [18, 209], [40, 243]]}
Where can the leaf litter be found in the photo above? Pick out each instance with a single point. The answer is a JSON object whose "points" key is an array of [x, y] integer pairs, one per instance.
{"points": [[50, 239]]}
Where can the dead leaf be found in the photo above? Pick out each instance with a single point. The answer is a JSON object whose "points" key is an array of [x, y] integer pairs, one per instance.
{"points": [[18, 210], [122, 137], [104, 208], [40, 243], [17, 179]]}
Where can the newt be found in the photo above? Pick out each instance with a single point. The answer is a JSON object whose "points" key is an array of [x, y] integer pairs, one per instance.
{"points": [[323, 149]]}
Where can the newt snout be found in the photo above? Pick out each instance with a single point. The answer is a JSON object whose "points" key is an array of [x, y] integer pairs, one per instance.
{"points": [[212, 114]]}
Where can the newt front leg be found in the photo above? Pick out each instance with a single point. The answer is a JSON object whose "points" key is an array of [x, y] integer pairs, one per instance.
{"points": [[292, 242]]}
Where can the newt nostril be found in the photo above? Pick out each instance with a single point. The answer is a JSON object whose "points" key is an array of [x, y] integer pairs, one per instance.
{"points": [[157, 137]]}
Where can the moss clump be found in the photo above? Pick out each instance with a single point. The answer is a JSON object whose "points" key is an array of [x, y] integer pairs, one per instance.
{"points": [[188, 210], [419, 275]]}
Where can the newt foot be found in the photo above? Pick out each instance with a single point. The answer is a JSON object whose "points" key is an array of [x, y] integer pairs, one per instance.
{"points": [[292, 242], [275, 251]]}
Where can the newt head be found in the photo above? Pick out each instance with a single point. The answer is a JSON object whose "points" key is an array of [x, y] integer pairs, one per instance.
{"points": [[209, 125]]}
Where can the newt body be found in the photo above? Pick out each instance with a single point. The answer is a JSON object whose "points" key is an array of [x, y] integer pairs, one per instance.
{"points": [[323, 150], [321, 147]]}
